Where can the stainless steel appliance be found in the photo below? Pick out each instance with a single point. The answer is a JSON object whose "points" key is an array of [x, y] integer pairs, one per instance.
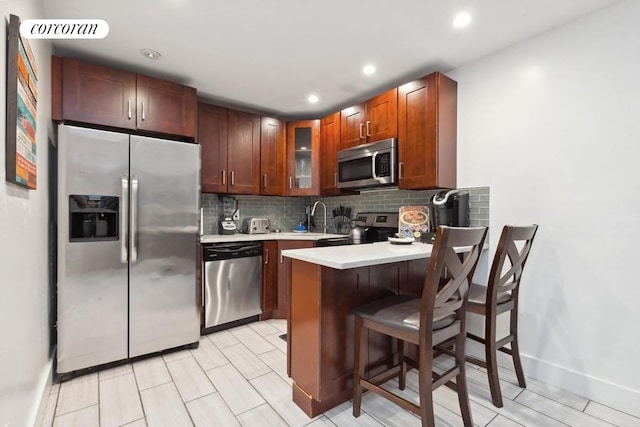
{"points": [[127, 246], [375, 227], [256, 225], [368, 165], [232, 282]]}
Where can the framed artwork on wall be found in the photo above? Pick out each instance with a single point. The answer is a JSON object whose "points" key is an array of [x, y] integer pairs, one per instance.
{"points": [[22, 98]]}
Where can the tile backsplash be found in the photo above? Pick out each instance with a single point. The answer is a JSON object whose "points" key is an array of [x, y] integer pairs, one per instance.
{"points": [[286, 212]]}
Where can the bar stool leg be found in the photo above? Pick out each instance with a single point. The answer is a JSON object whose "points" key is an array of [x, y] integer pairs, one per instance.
{"points": [[491, 358], [461, 381], [402, 379], [361, 339], [425, 389], [515, 349]]}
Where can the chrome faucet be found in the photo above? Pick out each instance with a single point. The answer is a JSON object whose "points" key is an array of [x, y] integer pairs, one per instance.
{"points": [[313, 209]]}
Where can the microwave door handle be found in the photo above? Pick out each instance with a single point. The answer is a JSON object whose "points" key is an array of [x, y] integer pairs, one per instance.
{"points": [[373, 166]]}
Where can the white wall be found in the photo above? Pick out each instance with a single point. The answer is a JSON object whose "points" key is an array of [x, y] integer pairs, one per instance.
{"points": [[24, 331], [552, 125]]}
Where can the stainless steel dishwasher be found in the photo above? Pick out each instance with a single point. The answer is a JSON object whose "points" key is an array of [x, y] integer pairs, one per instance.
{"points": [[232, 282]]}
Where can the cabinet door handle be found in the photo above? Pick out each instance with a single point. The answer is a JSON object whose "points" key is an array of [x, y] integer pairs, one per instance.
{"points": [[361, 128], [129, 109], [224, 177], [335, 179], [290, 182], [281, 257], [233, 178], [368, 124], [400, 164], [266, 256], [143, 115], [264, 178]]}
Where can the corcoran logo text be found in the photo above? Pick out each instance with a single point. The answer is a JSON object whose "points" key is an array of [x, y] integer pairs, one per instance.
{"points": [[64, 29]]}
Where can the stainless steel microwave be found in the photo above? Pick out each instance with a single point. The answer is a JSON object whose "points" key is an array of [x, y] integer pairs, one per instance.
{"points": [[368, 165]]}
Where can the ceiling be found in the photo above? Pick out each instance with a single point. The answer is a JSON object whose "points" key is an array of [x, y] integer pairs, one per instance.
{"points": [[270, 55]]}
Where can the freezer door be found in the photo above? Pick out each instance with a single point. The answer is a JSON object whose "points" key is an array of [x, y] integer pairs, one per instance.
{"points": [[165, 192], [92, 277]]}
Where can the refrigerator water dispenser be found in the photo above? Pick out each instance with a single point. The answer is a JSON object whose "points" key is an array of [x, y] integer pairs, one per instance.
{"points": [[93, 218]]}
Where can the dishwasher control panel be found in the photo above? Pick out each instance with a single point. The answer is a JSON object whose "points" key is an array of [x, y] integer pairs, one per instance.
{"points": [[220, 251]]}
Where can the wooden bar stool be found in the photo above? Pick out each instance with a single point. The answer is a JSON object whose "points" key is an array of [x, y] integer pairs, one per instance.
{"points": [[501, 296], [438, 316]]}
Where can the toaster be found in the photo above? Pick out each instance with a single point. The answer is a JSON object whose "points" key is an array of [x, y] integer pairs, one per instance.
{"points": [[256, 225]]}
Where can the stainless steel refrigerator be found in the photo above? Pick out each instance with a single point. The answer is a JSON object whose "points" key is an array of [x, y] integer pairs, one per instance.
{"points": [[127, 246]]}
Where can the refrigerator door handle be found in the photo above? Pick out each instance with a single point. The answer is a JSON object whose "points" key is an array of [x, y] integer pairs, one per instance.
{"points": [[134, 218], [124, 255]]}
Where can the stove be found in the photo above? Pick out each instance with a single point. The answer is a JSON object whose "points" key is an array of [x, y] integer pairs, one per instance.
{"points": [[378, 226]]}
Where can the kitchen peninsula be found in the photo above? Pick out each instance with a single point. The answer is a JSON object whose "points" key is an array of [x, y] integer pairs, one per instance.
{"points": [[326, 284]]}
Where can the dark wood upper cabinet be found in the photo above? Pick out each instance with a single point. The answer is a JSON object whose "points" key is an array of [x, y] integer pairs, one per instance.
{"points": [[230, 142], [303, 158], [243, 153], [273, 152], [329, 146], [382, 116], [427, 111], [370, 121], [166, 107], [98, 95], [352, 126], [212, 137]]}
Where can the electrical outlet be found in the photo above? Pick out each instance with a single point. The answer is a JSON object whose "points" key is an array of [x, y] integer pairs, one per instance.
{"points": [[236, 215]]}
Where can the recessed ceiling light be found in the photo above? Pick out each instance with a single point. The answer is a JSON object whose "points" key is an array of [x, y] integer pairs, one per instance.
{"points": [[461, 20], [313, 99], [369, 69], [150, 53]]}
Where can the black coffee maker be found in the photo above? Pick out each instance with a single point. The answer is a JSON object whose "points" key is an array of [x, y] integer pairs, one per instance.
{"points": [[448, 208]]}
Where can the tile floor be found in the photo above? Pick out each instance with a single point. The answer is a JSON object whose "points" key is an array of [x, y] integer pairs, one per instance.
{"points": [[238, 378]]}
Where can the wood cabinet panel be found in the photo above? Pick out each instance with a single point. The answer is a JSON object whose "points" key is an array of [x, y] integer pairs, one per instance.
{"points": [[166, 107], [382, 116], [341, 292], [352, 126], [273, 146], [303, 158], [321, 329], [212, 137], [371, 121], [243, 153], [99, 95], [329, 145], [284, 285], [103, 96], [284, 275], [269, 276], [427, 111]]}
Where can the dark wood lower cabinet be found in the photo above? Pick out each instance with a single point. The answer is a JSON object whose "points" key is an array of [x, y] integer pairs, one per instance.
{"points": [[269, 278], [321, 327]]}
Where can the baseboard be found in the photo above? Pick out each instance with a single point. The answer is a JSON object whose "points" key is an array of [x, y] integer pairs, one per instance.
{"points": [[602, 391], [42, 395]]}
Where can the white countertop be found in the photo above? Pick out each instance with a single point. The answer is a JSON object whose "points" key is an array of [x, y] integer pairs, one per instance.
{"points": [[239, 237], [352, 256]]}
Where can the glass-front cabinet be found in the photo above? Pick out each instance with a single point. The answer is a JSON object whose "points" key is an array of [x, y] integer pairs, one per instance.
{"points": [[303, 158]]}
